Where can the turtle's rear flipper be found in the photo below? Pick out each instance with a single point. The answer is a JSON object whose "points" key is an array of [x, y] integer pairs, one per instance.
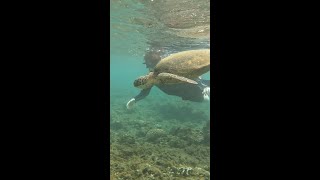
{"points": [[168, 78]]}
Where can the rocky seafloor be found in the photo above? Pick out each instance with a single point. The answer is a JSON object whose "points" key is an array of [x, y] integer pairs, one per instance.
{"points": [[160, 138]]}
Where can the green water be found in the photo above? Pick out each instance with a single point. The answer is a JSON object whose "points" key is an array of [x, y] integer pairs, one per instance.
{"points": [[162, 136]]}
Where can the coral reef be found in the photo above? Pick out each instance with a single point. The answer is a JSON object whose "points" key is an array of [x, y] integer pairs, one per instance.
{"points": [[166, 139]]}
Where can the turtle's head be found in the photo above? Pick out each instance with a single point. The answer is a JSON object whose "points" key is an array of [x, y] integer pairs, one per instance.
{"points": [[143, 82]]}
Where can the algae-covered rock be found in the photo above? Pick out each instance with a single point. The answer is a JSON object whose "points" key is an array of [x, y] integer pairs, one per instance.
{"points": [[126, 139], [176, 142], [191, 135], [196, 173], [150, 170], [206, 133], [154, 134], [116, 125]]}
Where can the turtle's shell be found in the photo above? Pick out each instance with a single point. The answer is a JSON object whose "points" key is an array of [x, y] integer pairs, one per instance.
{"points": [[189, 64]]}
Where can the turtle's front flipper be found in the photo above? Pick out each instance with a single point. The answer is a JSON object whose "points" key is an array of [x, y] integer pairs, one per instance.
{"points": [[168, 78]]}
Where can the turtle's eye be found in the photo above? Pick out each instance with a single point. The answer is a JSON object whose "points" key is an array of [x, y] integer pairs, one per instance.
{"points": [[139, 82], [136, 83]]}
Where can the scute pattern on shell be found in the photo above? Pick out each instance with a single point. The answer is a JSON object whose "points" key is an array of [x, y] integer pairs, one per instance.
{"points": [[190, 64]]}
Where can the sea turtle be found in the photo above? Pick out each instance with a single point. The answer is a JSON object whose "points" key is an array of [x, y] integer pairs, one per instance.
{"points": [[180, 67]]}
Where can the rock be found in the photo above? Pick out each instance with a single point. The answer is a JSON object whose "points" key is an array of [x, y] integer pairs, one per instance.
{"points": [[154, 134]]}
